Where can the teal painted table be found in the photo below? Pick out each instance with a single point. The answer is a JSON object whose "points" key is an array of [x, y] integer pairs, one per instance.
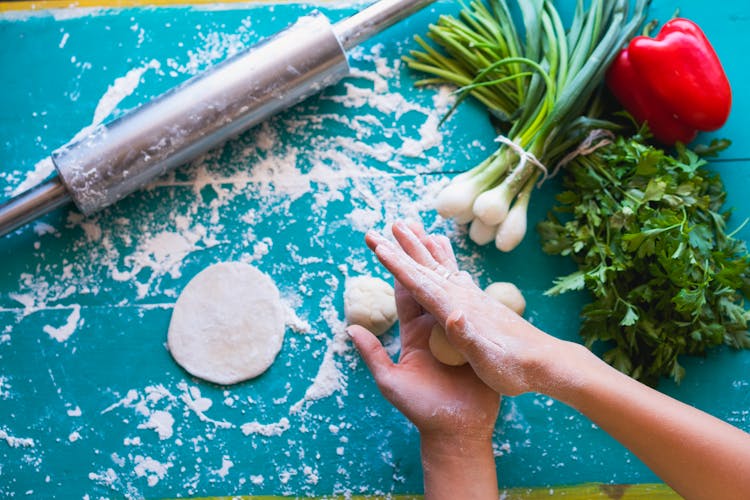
{"points": [[92, 404]]}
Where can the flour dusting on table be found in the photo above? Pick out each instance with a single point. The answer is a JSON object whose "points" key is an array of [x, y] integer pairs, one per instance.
{"points": [[278, 197]]}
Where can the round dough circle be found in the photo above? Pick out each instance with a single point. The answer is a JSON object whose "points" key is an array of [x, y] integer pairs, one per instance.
{"points": [[228, 324], [370, 302], [442, 349], [507, 294]]}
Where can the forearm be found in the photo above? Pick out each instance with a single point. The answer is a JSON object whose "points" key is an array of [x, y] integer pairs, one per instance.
{"points": [[696, 454], [458, 468]]}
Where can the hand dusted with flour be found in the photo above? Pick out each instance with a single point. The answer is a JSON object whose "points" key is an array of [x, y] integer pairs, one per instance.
{"points": [[453, 409]]}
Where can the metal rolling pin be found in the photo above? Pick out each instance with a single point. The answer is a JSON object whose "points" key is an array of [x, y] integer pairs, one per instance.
{"points": [[122, 156]]}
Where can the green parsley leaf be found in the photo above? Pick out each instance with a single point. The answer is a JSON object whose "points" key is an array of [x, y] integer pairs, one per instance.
{"points": [[647, 231]]}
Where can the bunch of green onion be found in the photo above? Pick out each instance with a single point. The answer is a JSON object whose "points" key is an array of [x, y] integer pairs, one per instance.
{"points": [[539, 87]]}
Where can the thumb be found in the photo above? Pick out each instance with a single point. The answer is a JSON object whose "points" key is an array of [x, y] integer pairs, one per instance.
{"points": [[372, 351], [457, 329], [487, 358], [462, 335]]}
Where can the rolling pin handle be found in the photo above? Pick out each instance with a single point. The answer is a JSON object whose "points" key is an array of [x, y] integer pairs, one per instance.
{"points": [[373, 19], [32, 204]]}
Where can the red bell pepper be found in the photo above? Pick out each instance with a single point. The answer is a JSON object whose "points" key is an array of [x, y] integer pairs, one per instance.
{"points": [[674, 81]]}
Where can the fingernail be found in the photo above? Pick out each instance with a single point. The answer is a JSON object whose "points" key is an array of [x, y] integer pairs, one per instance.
{"points": [[374, 235], [384, 250], [349, 332], [455, 319], [401, 226]]}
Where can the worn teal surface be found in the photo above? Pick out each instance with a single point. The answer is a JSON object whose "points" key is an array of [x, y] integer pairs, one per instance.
{"points": [[91, 403]]}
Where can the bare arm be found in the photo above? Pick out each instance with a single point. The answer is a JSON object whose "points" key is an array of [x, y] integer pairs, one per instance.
{"points": [[698, 455]]}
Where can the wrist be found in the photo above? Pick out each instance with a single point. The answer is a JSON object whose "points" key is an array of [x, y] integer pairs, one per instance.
{"points": [[458, 467], [564, 370], [463, 446]]}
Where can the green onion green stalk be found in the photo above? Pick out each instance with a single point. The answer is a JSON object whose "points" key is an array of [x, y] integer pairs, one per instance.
{"points": [[539, 87]]}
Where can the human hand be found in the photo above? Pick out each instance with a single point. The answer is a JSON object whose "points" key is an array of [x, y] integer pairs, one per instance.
{"points": [[442, 401], [507, 353], [512, 356]]}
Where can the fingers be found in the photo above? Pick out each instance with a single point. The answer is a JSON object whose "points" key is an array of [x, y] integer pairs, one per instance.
{"points": [[438, 245], [431, 251], [492, 364], [426, 286], [422, 263], [372, 351], [415, 336], [443, 252], [414, 245]]}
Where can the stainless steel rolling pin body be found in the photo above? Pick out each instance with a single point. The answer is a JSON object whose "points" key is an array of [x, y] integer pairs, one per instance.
{"points": [[122, 156]]}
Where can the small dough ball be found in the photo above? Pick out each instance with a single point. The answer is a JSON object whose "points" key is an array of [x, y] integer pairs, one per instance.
{"points": [[228, 324], [507, 294], [443, 350], [370, 302]]}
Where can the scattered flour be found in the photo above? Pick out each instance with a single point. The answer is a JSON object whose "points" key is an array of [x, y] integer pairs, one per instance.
{"points": [[311, 474], [161, 422], [42, 228], [145, 404], [273, 429], [294, 322], [4, 388], [42, 170], [136, 441], [121, 88], [191, 396], [16, 442], [156, 404], [151, 469], [330, 377], [226, 464], [62, 333], [213, 47], [106, 478]]}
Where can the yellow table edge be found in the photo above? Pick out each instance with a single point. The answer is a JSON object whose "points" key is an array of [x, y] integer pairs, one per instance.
{"points": [[116, 4], [589, 491]]}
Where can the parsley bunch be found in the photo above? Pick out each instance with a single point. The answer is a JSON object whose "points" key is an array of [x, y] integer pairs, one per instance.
{"points": [[648, 234]]}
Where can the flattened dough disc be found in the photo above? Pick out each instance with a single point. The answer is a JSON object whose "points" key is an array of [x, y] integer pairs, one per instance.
{"points": [[228, 324]]}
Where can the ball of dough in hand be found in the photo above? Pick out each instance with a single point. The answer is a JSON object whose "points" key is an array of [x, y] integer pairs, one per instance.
{"points": [[370, 302], [443, 350], [507, 294]]}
